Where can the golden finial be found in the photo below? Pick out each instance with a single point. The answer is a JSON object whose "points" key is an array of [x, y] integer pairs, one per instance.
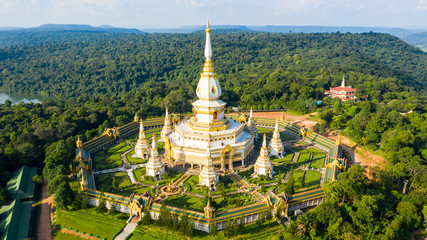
{"points": [[208, 27], [79, 142]]}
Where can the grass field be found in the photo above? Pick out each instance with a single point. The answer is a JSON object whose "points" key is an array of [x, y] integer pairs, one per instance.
{"points": [[192, 203], [312, 179], [190, 185], [132, 160], [90, 221], [303, 156], [139, 172], [125, 187], [226, 205], [298, 176], [172, 177], [110, 158], [318, 160], [63, 236]]}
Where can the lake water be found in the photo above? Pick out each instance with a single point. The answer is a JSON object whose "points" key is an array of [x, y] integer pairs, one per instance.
{"points": [[17, 98]]}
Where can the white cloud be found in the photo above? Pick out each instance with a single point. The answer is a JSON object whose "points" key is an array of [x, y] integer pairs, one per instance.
{"points": [[294, 7], [422, 5], [194, 3]]}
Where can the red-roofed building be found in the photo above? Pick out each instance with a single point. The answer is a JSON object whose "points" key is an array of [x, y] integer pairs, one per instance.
{"points": [[345, 93]]}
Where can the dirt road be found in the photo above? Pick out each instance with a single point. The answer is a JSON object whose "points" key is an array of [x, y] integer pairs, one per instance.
{"points": [[44, 227]]}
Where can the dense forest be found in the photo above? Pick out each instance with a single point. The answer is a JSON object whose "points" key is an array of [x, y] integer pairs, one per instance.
{"points": [[98, 80]]}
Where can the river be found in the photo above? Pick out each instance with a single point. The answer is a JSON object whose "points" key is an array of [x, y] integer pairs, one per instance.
{"points": [[17, 98]]}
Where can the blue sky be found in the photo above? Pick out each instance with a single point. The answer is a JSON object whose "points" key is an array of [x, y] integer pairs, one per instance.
{"points": [[176, 13]]}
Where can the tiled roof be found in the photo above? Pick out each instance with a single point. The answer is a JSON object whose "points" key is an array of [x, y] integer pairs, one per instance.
{"points": [[21, 185]]}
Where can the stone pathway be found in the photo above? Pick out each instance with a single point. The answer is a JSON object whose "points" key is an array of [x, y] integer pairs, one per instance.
{"points": [[131, 176], [296, 156], [123, 156], [119, 169], [127, 230]]}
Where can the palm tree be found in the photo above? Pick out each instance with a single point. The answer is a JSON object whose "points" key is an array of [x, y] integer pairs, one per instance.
{"points": [[306, 221], [291, 228]]}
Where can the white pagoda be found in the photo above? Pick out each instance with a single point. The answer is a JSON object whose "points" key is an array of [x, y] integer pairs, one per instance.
{"points": [[251, 126], [263, 165], [208, 176], [155, 166], [229, 141], [276, 145], [142, 148], [167, 127]]}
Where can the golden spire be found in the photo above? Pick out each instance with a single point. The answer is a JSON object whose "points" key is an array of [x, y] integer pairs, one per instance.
{"points": [[208, 67], [79, 142]]}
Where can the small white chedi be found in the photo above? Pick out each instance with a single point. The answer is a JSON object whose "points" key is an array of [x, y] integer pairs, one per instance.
{"points": [[167, 127], [251, 125], [142, 148], [263, 165], [155, 166], [208, 176], [276, 145]]}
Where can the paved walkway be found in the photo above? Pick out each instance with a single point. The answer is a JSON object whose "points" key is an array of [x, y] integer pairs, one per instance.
{"points": [[119, 169], [131, 176], [123, 156], [127, 230]]}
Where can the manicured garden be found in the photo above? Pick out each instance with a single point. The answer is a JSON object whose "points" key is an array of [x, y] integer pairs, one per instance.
{"points": [[191, 183], [108, 158], [124, 187], [90, 221], [312, 179]]}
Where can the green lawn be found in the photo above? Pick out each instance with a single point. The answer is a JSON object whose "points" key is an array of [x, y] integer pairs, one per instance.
{"points": [[192, 203], [318, 160], [312, 179], [139, 172], [286, 137], [298, 176], [303, 157], [125, 187], [190, 185], [287, 159], [90, 221], [132, 160], [262, 130], [226, 205], [173, 176], [63, 236]]}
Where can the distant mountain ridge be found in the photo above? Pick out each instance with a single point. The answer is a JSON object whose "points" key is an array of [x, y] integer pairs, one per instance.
{"points": [[74, 27]]}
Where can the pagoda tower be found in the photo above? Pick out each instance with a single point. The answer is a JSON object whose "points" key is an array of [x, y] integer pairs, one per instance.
{"points": [[167, 128], [208, 176], [229, 141], [155, 166], [142, 147], [263, 165], [251, 126], [276, 146]]}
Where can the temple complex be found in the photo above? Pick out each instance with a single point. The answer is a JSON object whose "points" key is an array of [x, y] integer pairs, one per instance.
{"points": [[142, 148], [155, 166], [263, 165], [343, 92], [229, 142], [276, 146]]}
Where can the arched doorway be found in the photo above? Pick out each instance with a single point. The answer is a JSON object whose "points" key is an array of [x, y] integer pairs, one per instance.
{"points": [[227, 155]]}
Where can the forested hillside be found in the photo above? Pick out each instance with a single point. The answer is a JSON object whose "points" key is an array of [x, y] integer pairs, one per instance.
{"points": [[254, 68]]}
